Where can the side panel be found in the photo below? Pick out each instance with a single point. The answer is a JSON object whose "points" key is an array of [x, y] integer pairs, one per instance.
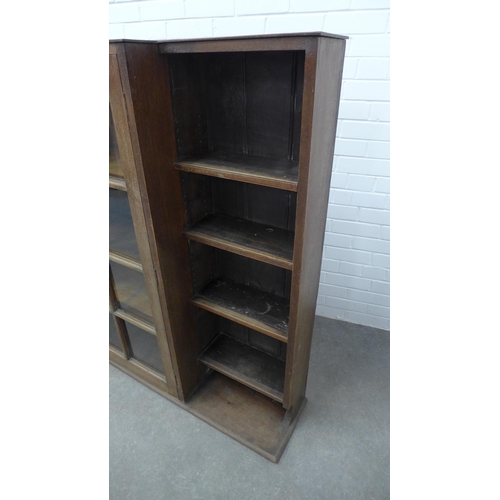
{"points": [[322, 82], [152, 130]]}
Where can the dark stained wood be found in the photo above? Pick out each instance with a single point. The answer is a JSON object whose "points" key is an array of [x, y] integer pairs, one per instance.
{"points": [[248, 306], [243, 103], [152, 132], [227, 138], [260, 204], [323, 70], [196, 193], [124, 125], [277, 173], [251, 367], [243, 414], [253, 273], [252, 338], [223, 78], [188, 94], [260, 242]]}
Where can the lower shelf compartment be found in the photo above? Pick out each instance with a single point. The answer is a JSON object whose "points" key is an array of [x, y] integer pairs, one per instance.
{"points": [[247, 365], [244, 414]]}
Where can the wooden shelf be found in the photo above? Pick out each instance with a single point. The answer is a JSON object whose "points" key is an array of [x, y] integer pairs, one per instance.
{"points": [[271, 172], [262, 311], [247, 365], [257, 241]]}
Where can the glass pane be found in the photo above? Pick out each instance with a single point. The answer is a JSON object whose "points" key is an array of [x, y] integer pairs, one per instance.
{"points": [[130, 289], [114, 340], [121, 229], [115, 165], [144, 347]]}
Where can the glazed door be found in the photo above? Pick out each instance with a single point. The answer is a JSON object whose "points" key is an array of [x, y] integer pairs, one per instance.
{"points": [[137, 331]]}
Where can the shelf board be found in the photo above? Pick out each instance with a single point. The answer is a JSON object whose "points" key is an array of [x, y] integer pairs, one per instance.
{"points": [[247, 365], [257, 241], [271, 172], [261, 311], [125, 260]]}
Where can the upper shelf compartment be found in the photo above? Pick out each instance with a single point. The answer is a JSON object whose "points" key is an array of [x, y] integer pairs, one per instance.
{"points": [[237, 115]]}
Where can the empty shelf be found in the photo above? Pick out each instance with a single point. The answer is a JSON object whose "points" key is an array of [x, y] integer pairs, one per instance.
{"points": [[247, 365], [257, 241], [271, 172], [262, 311]]}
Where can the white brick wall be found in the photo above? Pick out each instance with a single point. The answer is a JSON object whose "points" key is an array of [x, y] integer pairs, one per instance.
{"points": [[355, 269]]}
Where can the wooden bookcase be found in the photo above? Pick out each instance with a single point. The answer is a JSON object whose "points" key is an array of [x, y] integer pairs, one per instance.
{"points": [[228, 146]]}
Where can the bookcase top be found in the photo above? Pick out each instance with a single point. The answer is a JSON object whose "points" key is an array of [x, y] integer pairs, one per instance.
{"points": [[245, 37]]}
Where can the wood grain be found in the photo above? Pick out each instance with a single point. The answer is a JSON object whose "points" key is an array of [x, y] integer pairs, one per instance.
{"points": [[247, 306], [117, 183], [152, 135], [251, 367], [277, 173], [123, 115], [250, 239], [122, 238], [322, 83], [243, 414]]}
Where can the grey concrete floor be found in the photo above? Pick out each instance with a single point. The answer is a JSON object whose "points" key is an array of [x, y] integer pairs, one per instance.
{"points": [[339, 450]]}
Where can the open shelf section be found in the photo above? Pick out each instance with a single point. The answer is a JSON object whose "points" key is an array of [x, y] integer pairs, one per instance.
{"points": [[257, 241], [262, 311], [271, 172], [247, 365]]}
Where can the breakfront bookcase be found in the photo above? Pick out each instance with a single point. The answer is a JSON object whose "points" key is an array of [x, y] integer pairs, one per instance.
{"points": [[219, 173]]}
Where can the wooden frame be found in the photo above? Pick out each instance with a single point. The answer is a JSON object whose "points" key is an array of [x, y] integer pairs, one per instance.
{"points": [[229, 148]]}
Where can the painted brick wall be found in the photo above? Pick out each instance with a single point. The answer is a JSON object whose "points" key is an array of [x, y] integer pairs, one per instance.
{"points": [[355, 268]]}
